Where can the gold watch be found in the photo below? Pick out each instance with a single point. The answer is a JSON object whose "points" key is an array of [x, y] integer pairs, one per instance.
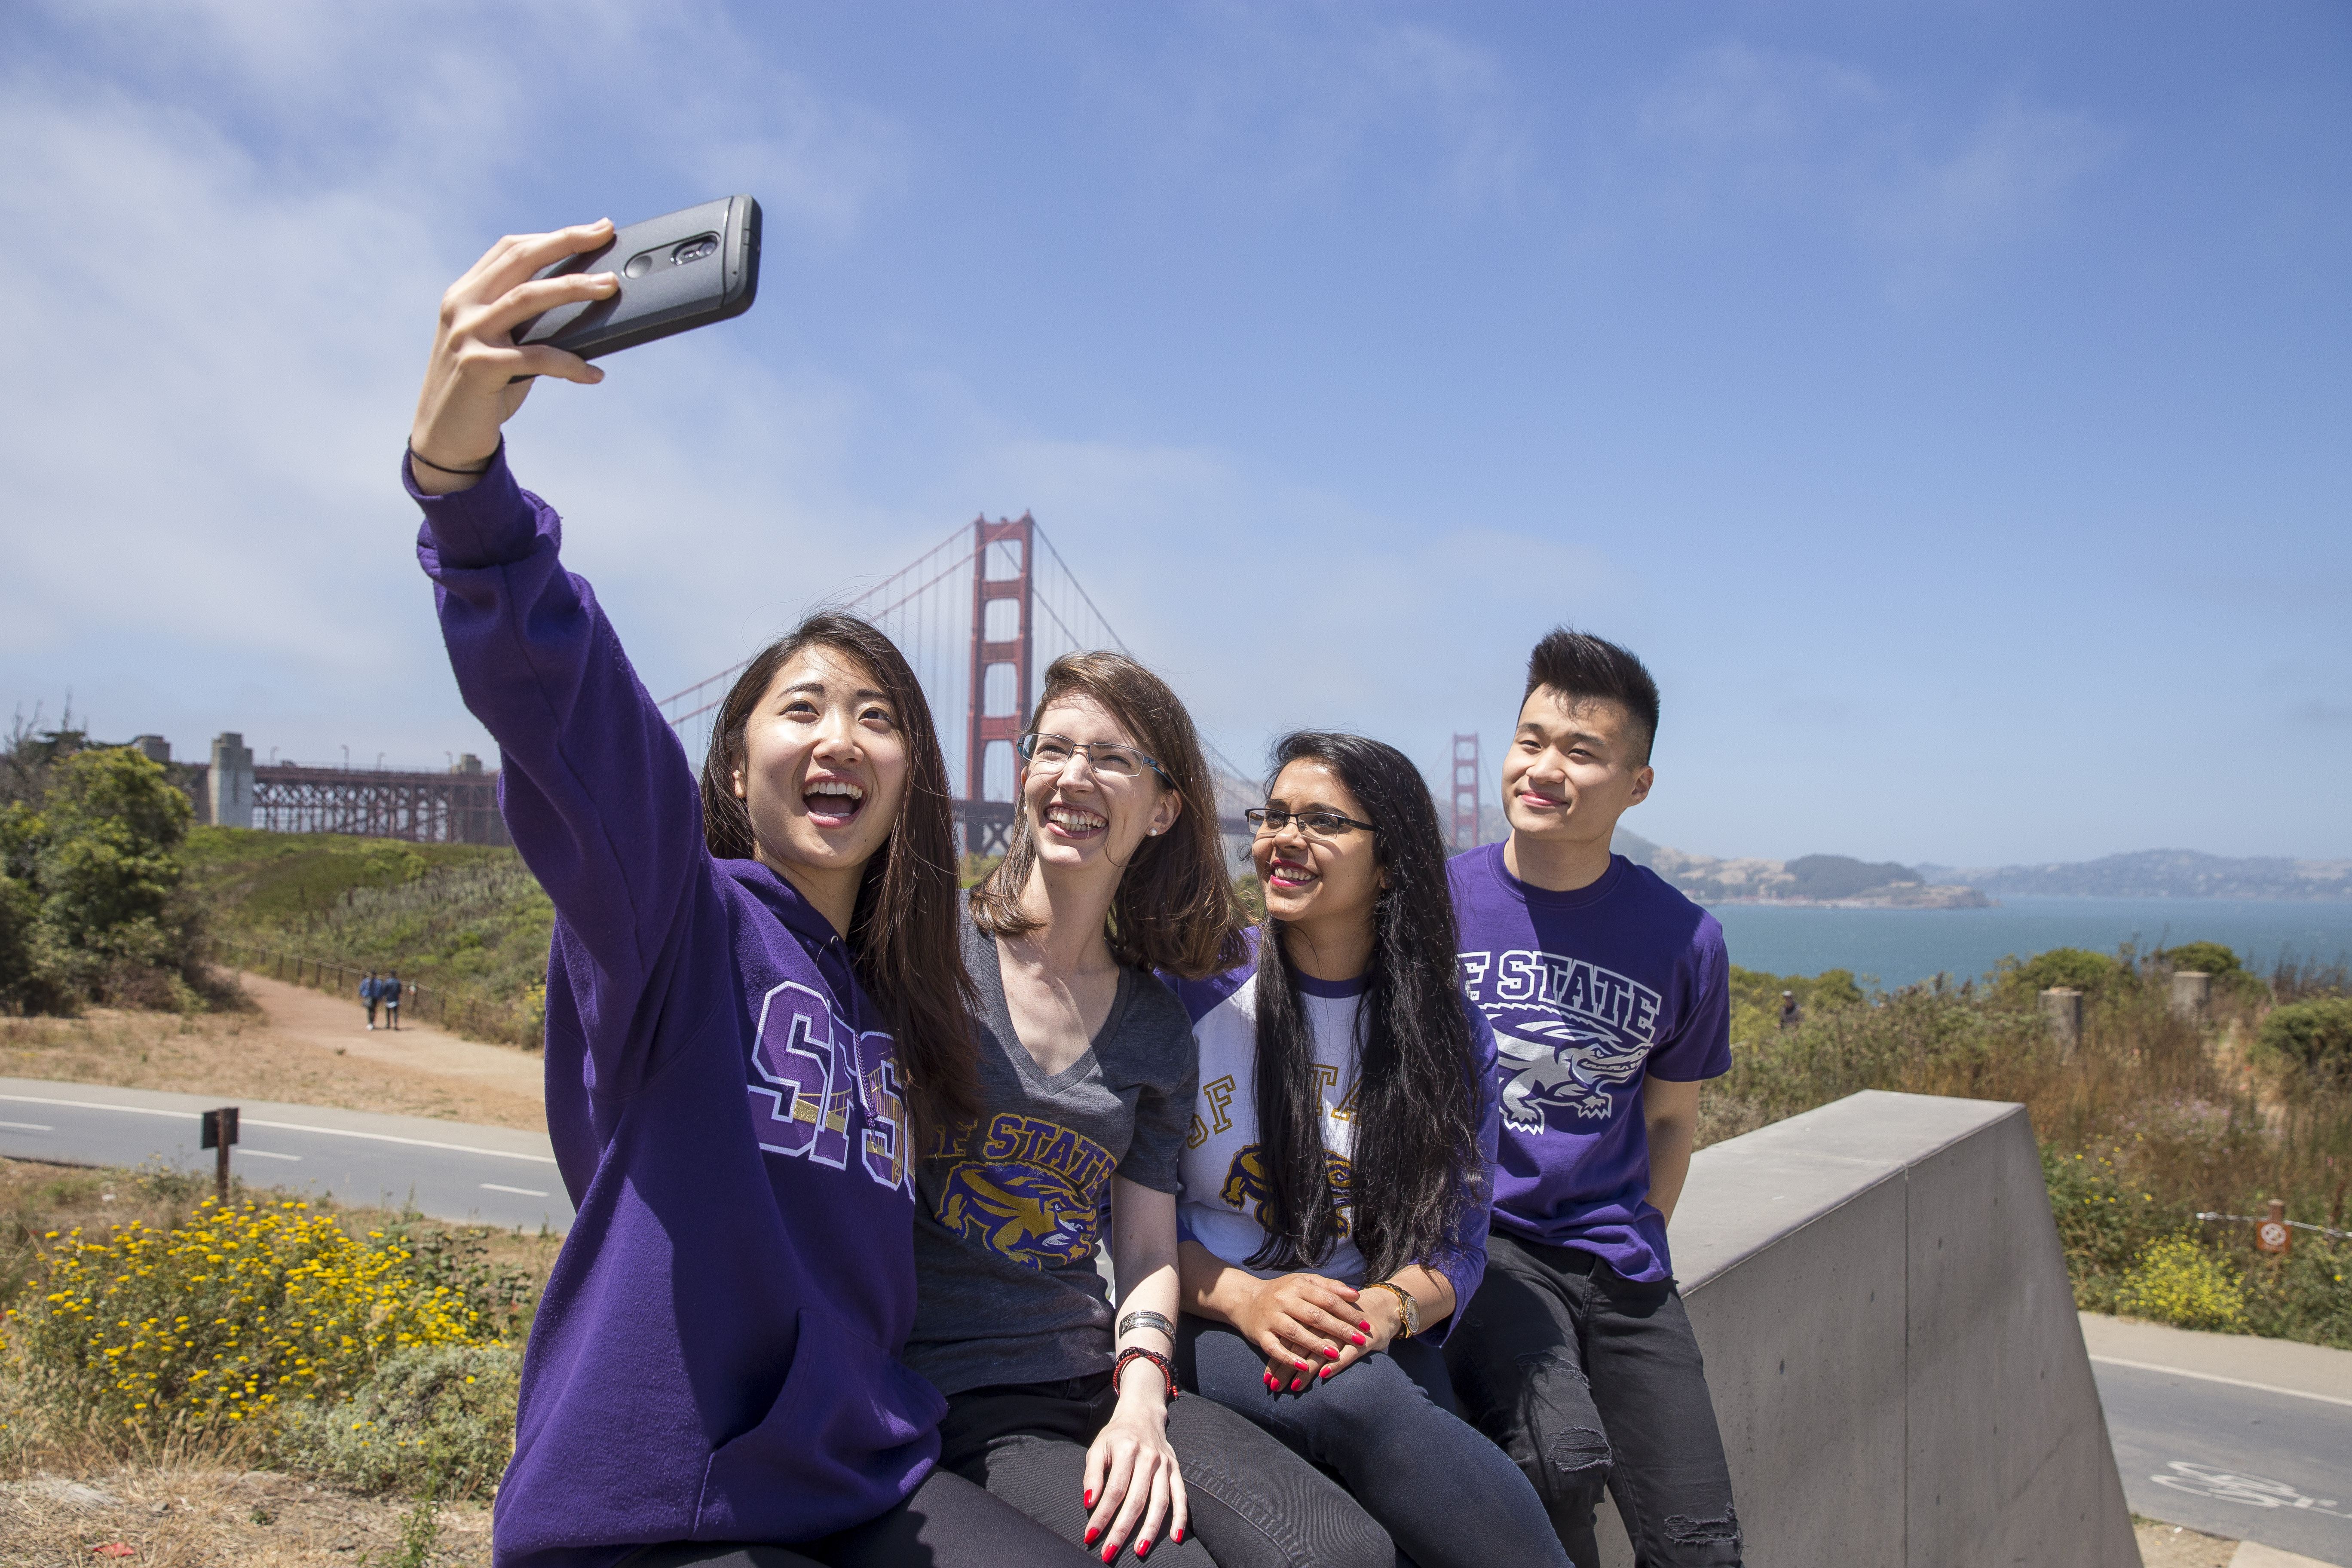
{"points": [[1408, 1309]]}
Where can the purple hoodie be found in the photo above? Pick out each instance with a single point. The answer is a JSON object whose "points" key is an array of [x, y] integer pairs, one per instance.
{"points": [[717, 1356]]}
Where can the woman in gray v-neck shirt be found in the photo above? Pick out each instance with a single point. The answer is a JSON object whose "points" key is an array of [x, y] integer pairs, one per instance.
{"points": [[1085, 1104]]}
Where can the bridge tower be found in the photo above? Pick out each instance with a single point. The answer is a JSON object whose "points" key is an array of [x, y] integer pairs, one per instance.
{"points": [[1468, 792], [988, 825]]}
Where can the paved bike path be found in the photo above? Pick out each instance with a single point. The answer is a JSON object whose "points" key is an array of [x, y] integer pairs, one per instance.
{"points": [[449, 1170], [2230, 1434]]}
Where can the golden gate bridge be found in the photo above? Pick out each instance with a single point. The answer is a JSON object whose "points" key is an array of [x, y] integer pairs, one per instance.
{"points": [[978, 616]]}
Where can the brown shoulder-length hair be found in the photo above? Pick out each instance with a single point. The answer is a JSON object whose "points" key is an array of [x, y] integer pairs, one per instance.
{"points": [[1175, 909], [904, 936]]}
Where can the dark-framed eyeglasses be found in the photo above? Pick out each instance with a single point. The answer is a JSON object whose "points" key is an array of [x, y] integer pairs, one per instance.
{"points": [[1265, 819], [1110, 758]]}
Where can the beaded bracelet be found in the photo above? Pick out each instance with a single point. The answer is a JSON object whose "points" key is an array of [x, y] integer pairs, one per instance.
{"points": [[1167, 1370]]}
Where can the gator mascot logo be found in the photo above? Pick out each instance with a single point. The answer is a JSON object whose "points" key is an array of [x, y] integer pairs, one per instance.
{"points": [[1246, 1187], [1554, 1065], [1030, 1190]]}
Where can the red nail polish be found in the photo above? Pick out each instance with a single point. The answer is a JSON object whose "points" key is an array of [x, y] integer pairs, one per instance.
{"points": [[1092, 1531], [1179, 1538], [1297, 1383], [1141, 1547], [1359, 1339], [1300, 1365], [1090, 1497], [1366, 1326], [1330, 1353], [1110, 1552], [1326, 1373]]}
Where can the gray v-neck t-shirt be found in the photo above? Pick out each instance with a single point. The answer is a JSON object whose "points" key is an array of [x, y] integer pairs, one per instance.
{"points": [[1010, 1208]]}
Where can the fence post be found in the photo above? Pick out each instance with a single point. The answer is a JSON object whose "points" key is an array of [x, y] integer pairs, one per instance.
{"points": [[2191, 993], [2063, 1006]]}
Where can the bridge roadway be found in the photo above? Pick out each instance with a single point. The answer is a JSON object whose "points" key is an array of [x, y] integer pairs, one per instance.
{"points": [[449, 1170]]}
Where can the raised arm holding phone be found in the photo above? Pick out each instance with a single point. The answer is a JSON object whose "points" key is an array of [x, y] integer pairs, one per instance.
{"points": [[754, 1011]]}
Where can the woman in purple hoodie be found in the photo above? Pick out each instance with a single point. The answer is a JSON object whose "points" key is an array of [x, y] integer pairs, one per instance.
{"points": [[754, 1009]]}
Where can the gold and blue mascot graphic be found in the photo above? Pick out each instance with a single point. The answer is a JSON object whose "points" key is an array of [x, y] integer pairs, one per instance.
{"points": [[1032, 1191], [1247, 1186]]}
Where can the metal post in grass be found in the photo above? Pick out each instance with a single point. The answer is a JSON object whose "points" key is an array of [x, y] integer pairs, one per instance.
{"points": [[2063, 1006], [2191, 993], [219, 1132]]}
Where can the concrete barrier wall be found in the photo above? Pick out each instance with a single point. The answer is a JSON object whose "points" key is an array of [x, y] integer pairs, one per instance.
{"points": [[1891, 1344]]}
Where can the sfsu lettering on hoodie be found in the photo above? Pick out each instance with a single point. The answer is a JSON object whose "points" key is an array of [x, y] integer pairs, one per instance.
{"points": [[814, 1062]]}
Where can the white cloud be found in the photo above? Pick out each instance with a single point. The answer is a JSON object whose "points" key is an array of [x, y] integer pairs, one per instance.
{"points": [[1746, 129], [240, 217], [1288, 105]]}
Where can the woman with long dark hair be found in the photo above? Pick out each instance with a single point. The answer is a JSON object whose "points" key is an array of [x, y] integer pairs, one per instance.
{"points": [[1336, 1180], [755, 1011], [1056, 1402]]}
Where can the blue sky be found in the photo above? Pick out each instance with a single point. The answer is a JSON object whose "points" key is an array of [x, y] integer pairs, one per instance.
{"points": [[1949, 401]]}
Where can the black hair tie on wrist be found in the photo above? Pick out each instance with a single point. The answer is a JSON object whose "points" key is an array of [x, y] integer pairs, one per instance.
{"points": [[416, 457]]}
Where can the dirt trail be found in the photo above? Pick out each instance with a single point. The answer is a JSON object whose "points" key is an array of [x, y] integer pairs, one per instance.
{"points": [[300, 1047], [298, 1012]]}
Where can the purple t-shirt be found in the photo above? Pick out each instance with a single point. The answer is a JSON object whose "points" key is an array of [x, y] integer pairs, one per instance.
{"points": [[1589, 992]]}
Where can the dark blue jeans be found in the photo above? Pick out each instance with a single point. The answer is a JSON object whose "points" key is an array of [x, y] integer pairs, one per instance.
{"points": [[1386, 1428], [1592, 1382]]}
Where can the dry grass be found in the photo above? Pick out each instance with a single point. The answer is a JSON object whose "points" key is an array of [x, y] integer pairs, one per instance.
{"points": [[296, 1047], [190, 1515], [2173, 1546]]}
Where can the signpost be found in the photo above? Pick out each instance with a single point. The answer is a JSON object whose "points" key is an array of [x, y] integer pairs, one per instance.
{"points": [[220, 1132]]}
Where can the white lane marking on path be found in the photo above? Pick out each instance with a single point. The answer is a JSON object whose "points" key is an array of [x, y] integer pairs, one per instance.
{"points": [[2217, 1377], [26, 1127], [287, 1127], [522, 1192], [245, 1153]]}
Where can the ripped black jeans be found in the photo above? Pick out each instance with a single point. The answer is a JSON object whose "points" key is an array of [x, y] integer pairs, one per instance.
{"points": [[1591, 1381]]}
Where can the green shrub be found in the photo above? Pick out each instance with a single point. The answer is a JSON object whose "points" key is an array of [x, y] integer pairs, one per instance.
{"points": [[89, 883], [2316, 1036], [2092, 974], [437, 1420], [2178, 1281], [2204, 957]]}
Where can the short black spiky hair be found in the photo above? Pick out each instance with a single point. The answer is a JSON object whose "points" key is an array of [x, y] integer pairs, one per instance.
{"points": [[1581, 667]]}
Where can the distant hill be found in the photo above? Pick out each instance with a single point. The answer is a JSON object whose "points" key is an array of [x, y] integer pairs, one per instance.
{"points": [[2162, 874], [1808, 879]]}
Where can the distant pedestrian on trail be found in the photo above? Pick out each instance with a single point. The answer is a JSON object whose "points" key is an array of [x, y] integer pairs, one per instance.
{"points": [[1790, 1014], [390, 993], [370, 989]]}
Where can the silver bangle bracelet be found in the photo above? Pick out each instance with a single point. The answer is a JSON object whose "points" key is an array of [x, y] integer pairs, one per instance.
{"points": [[1143, 1319]]}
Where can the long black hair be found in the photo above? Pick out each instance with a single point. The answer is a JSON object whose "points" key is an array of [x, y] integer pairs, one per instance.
{"points": [[1415, 1160], [905, 936]]}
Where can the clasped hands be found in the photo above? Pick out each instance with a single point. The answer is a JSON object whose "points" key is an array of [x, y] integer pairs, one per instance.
{"points": [[1311, 1328]]}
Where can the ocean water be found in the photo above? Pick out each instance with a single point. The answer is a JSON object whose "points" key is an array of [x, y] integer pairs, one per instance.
{"points": [[1898, 947]]}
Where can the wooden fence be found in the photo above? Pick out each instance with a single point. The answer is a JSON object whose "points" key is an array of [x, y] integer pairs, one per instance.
{"points": [[459, 1015]]}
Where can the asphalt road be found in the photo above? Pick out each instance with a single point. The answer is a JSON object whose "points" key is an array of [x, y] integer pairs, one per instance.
{"points": [[492, 1175], [2249, 1463]]}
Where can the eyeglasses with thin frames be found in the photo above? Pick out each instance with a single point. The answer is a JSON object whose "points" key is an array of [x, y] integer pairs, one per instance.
{"points": [[1108, 758], [1265, 819]]}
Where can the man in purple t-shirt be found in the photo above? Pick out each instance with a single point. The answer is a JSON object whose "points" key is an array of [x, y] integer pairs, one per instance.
{"points": [[1609, 994]]}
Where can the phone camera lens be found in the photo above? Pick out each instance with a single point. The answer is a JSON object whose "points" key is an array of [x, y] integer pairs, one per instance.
{"points": [[694, 249]]}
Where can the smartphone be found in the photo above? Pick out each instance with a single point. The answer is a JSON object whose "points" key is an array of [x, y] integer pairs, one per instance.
{"points": [[680, 271]]}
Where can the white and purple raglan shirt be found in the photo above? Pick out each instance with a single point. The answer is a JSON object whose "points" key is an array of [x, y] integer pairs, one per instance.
{"points": [[1222, 1179], [1590, 992]]}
